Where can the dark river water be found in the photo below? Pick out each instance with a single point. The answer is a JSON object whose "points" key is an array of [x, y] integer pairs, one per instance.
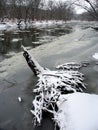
{"points": [[11, 41], [15, 115]]}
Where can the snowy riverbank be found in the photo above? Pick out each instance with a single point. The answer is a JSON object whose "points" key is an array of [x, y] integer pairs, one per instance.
{"points": [[12, 25], [78, 111]]}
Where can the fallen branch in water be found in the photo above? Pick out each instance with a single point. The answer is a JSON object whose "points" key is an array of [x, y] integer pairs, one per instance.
{"points": [[52, 84]]}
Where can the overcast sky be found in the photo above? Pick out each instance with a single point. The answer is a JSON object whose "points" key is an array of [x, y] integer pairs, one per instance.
{"points": [[79, 10]]}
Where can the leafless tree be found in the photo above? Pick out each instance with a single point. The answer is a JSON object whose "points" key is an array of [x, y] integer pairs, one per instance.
{"points": [[35, 9], [59, 10], [91, 6], [2, 9]]}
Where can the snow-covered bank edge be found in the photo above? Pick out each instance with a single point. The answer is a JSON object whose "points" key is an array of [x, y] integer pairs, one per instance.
{"points": [[95, 56], [12, 25], [77, 111]]}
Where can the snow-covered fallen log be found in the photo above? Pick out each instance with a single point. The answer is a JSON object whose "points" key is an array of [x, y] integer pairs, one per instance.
{"points": [[52, 84], [33, 64]]}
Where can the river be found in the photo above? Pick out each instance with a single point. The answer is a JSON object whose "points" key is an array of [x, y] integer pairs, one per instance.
{"points": [[16, 79]]}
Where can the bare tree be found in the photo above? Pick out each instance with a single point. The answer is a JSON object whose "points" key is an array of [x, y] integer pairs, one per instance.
{"points": [[59, 10], [2, 9], [35, 9], [91, 6], [64, 11], [51, 8]]}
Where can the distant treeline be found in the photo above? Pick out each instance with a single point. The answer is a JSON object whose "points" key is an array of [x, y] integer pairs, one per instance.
{"points": [[35, 10]]}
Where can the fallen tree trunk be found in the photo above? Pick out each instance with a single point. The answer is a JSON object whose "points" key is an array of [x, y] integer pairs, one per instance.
{"points": [[32, 63], [95, 28], [52, 84]]}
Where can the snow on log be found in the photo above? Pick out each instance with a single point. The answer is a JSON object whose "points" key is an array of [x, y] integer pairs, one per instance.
{"points": [[52, 84], [68, 66]]}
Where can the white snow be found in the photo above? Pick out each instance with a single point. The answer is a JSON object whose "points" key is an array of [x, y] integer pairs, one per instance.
{"points": [[68, 66], [47, 23], [10, 25], [95, 56], [19, 99], [2, 26], [77, 111], [16, 39]]}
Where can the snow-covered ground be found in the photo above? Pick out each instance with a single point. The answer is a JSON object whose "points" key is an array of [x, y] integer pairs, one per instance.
{"points": [[10, 25], [95, 56], [78, 111], [16, 39]]}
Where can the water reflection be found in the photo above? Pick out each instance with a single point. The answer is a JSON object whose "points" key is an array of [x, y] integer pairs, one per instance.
{"points": [[12, 40]]}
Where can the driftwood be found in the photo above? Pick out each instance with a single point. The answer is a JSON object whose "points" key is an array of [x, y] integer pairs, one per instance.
{"points": [[52, 84], [32, 63], [95, 28]]}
